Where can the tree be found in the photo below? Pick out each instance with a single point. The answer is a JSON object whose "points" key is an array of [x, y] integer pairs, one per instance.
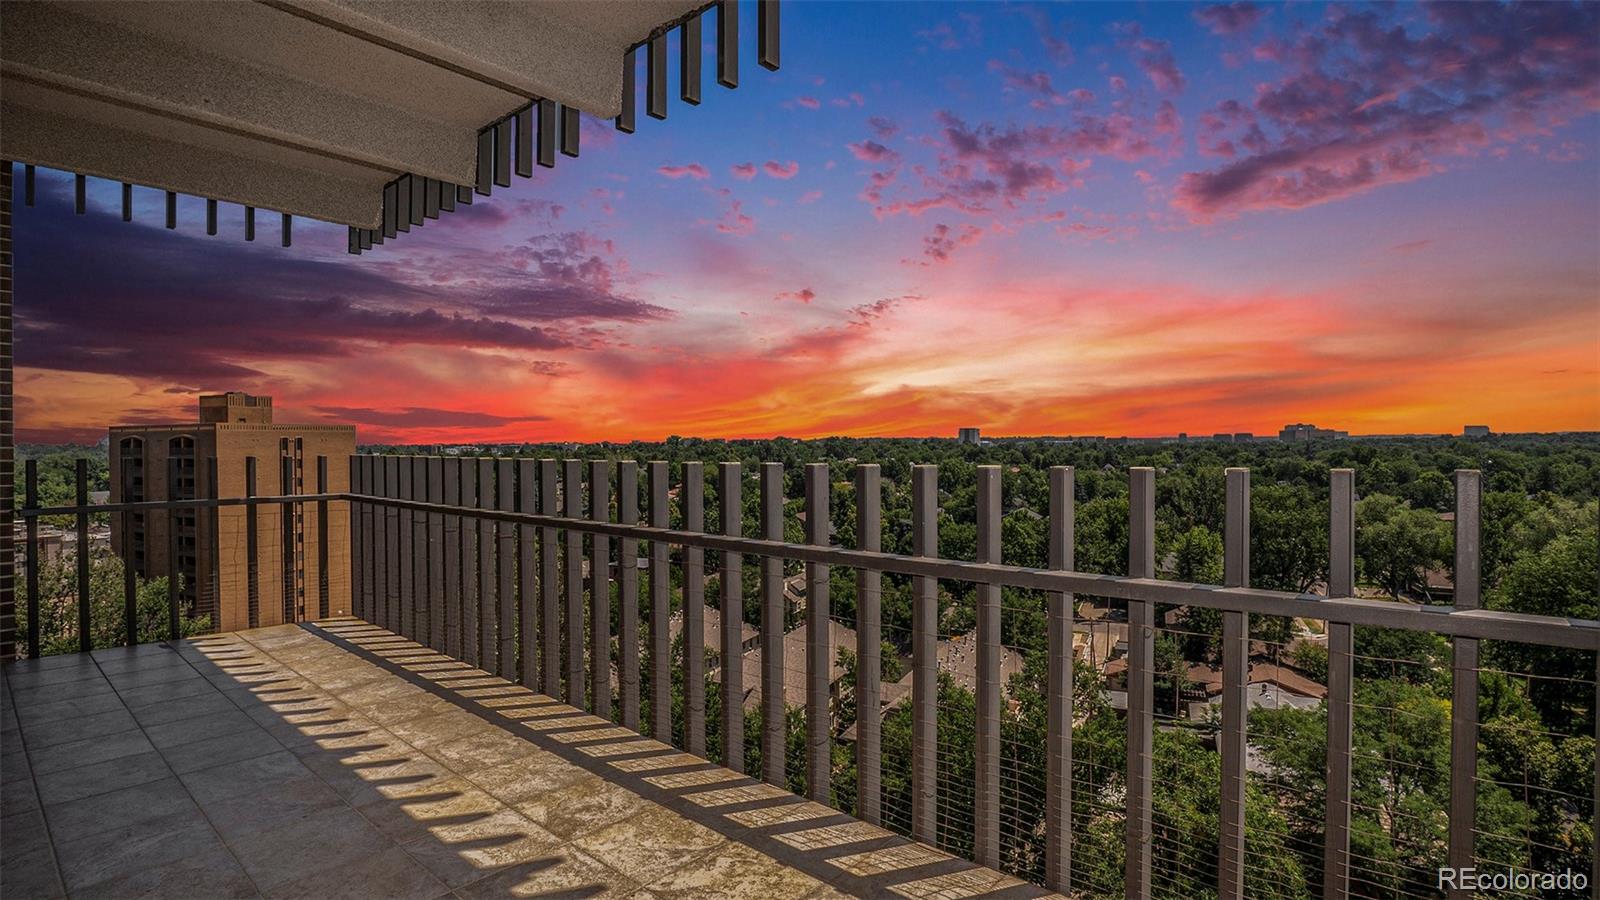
{"points": [[58, 607], [1397, 545]]}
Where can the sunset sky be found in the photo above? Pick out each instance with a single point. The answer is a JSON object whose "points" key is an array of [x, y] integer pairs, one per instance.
{"points": [[1103, 219]]}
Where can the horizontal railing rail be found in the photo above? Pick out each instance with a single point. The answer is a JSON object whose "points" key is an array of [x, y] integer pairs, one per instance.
{"points": [[1552, 631]]}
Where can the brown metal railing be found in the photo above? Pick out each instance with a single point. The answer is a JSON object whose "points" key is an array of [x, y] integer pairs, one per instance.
{"points": [[510, 615]]}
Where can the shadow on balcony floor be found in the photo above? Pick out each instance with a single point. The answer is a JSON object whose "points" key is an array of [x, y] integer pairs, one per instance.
{"points": [[341, 760]]}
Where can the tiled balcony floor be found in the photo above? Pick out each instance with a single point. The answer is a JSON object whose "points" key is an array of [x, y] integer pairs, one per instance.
{"points": [[340, 760]]}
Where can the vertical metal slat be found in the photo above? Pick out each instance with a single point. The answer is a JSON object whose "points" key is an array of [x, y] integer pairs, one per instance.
{"points": [[693, 503], [450, 493], [924, 657], [549, 584], [655, 77], [774, 713], [547, 133], [728, 43], [628, 594], [869, 648], [469, 564], [252, 525], [174, 627], [127, 202], [1464, 679], [172, 210], [211, 216], [405, 550], [323, 581], [600, 591], [660, 612], [485, 177], [819, 649], [986, 797], [1235, 681], [628, 117], [731, 513], [488, 583], [502, 152], [1141, 683], [571, 130], [768, 33], [30, 470], [1058, 687], [689, 61], [435, 557], [525, 148], [505, 569], [572, 508], [1341, 647], [527, 576]]}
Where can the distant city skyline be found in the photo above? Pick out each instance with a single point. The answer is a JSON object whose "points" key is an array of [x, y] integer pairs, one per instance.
{"points": [[1102, 219]]}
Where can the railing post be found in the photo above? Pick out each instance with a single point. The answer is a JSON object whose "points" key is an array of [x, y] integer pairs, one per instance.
{"points": [[288, 556], [1235, 683], [869, 648], [505, 535], [600, 591], [435, 557], [421, 603], [527, 577], [986, 790], [214, 538], [450, 491], [469, 564], [1058, 688], [924, 657], [1141, 681], [488, 583], [405, 550], [252, 548], [660, 612], [1341, 648], [130, 585], [31, 479], [731, 480], [628, 594], [391, 544], [693, 503], [774, 712], [322, 537], [364, 518], [81, 473], [174, 627], [819, 650], [1464, 680], [572, 508], [549, 585]]}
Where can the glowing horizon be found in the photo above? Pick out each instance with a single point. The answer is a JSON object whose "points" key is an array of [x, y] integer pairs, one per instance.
{"points": [[1034, 220]]}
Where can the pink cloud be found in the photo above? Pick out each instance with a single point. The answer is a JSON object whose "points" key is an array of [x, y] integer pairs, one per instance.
{"points": [[942, 242], [809, 197], [1365, 103], [804, 295], [808, 102], [1229, 18], [743, 171], [883, 128], [692, 170], [871, 151], [782, 171]]}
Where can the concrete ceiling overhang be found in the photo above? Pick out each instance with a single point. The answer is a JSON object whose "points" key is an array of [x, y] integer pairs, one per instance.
{"points": [[318, 108]]}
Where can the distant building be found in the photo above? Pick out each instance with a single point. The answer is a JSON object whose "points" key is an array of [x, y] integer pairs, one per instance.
{"points": [[967, 436], [1472, 431], [1223, 437], [232, 430], [1301, 431], [1243, 437]]}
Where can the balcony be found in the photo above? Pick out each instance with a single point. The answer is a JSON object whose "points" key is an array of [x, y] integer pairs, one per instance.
{"points": [[483, 725]]}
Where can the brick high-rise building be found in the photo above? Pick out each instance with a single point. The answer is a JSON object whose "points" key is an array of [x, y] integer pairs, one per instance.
{"points": [[286, 581]]}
